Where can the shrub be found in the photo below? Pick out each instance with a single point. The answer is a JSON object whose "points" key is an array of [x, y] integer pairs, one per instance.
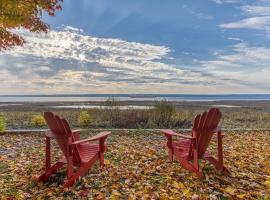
{"points": [[2, 123], [182, 120], [127, 119], [164, 111], [111, 102], [38, 121], [112, 112], [144, 119], [84, 118]]}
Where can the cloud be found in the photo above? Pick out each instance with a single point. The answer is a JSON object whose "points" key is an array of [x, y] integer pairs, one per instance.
{"points": [[226, 1], [247, 64], [257, 17], [256, 10], [196, 13], [260, 23], [68, 61]]}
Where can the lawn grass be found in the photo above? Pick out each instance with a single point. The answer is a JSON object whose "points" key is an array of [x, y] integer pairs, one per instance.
{"points": [[137, 168]]}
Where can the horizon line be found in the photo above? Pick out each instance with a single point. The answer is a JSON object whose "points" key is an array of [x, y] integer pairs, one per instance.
{"points": [[129, 94]]}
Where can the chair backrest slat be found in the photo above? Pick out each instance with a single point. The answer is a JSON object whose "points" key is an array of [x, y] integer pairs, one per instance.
{"points": [[61, 129], [204, 124], [66, 126]]}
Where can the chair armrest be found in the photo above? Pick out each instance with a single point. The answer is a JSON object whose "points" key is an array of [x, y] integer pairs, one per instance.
{"points": [[76, 135], [172, 133], [217, 131], [76, 131], [100, 136]]}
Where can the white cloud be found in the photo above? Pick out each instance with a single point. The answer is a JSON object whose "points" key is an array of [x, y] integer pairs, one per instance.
{"points": [[256, 10], [261, 23], [226, 1], [43, 69], [257, 17], [246, 63], [67, 44], [68, 60]]}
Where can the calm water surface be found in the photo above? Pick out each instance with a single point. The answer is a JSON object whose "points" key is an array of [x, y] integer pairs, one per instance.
{"points": [[126, 97]]}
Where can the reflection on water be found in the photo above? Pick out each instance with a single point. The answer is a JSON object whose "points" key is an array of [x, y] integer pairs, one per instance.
{"points": [[8, 104], [227, 106], [69, 99], [130, 107], [125, 97]]}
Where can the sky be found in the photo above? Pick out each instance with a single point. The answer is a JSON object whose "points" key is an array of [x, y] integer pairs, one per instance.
{"points": [[145, 46]]}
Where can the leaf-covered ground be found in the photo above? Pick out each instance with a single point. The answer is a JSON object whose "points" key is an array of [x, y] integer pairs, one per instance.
{"points": [[137, 168]]}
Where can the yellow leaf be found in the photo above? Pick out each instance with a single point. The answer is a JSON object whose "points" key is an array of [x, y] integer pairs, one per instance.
{"points": [[49, 194], [116, 193], [241, 196], [20, 195], [178, 185], [107, 162], [267, 184], [99, 195], [164, 196], [186, 193], [112, 197], [230, 190]]}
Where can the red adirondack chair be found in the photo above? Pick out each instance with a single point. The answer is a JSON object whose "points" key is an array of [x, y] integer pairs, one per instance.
{"points": [[77, 153], [191, 149]]}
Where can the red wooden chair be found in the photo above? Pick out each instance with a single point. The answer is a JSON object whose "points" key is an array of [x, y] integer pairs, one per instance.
{"points": [[77, 153], [191, 149]]}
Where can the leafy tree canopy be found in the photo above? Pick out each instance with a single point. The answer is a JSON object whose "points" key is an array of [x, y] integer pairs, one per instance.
{"points": [[23, 14]]}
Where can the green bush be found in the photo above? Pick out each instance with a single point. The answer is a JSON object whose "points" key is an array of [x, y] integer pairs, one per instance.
{"points": [[164, 112], [2, 123], [38, 121], [84, 118]]}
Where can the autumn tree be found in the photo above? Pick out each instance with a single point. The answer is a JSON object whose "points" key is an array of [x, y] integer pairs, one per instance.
{"points": [[23, 14]]}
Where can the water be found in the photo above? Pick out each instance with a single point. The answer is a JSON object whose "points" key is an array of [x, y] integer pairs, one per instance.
{"points": [[138, 97], [130, 107]]}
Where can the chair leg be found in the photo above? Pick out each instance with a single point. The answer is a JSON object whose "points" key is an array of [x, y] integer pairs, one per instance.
{"points": [[196, 160], [81, 171], [189, 166], [220, 154], [170, 147], [214, 162], [217, 164], [70, 169], [48, 154], [49, 170], [44, 177], [170, 154], [101, 160], [220, 149], [70, 173]]}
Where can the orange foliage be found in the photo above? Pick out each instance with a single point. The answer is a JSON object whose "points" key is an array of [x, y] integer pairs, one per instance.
{"points": [[23, 14]]}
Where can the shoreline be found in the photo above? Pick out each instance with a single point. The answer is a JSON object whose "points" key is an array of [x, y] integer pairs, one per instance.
{"points": [[225, 105], [236, 114]]}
